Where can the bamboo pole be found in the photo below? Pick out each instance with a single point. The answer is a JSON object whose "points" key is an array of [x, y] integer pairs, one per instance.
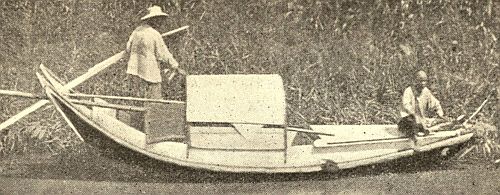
{"points": [[308, 131], [477, 110], [20, 94], [81, 95], [107, 105], [79, 102]]}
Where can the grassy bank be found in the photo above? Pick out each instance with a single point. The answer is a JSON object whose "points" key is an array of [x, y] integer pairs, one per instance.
{"points": [[343, 62]]}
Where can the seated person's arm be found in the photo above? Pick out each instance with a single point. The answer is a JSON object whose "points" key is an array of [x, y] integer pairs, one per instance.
{"points": [[407, 102], [435, 105]]}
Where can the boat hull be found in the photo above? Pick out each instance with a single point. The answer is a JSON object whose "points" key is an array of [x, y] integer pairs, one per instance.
{"points": [[330, 153]]}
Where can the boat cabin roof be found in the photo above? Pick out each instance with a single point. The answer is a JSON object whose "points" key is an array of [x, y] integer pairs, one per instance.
{"points": [[252, 99]]}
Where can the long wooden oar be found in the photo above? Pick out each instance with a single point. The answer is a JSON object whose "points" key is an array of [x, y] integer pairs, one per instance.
{"points": [[20, 94], [90, 73], [478, 109], [88, 103]]}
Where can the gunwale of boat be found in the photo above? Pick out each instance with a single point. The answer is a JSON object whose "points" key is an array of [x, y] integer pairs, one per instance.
{"points": [[304, 158]]}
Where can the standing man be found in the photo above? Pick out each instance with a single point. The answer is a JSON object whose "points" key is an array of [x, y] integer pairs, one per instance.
{"points": [[418, 103], [147, 51]]}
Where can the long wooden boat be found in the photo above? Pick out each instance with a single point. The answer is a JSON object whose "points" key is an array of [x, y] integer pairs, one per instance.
{"points": [[237, 123]]}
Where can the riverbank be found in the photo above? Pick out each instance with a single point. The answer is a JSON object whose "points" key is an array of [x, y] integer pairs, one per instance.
{"points": [[476, 180]]}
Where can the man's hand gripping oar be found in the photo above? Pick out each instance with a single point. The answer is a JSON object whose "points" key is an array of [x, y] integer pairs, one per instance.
{"points": [[174, 71]]}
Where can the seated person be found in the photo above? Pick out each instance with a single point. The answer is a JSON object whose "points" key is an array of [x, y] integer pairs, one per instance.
{"points": [[419, 107]]}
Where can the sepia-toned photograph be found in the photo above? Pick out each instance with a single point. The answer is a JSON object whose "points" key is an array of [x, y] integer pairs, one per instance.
{"points": [[249, 97]]}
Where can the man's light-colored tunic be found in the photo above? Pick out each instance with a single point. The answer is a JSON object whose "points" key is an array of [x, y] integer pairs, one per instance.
{"points": [[147, 50], [428, 105]]}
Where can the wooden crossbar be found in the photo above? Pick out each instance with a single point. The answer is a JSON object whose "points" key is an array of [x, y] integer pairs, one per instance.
{"points": [[81, 95], [108, 105]]}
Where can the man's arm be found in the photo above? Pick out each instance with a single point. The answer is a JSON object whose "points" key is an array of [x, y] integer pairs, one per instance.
{"points": [[407, 101], [163, 54], [435, 105], [129, 43]]}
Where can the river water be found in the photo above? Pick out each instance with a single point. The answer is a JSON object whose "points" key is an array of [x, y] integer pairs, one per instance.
{"points": [[88, 171]]}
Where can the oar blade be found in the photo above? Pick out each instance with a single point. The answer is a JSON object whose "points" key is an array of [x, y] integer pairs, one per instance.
{"points": [[22, 114]]}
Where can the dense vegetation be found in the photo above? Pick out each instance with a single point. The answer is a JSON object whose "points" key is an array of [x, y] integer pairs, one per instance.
{"points": [[343, 62]]}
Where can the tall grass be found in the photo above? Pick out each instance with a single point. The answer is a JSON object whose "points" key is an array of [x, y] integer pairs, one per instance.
{"points": [[343, 62]]}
